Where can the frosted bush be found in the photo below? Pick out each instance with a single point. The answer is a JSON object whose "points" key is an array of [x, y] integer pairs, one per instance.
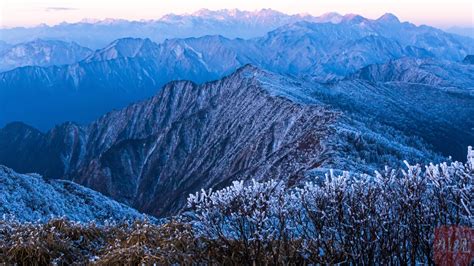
{"points": [[388, 218], [252, 220]]}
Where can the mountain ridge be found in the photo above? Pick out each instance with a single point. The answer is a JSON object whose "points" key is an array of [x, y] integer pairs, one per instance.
{"points": [[250, 124], [41, 53]]}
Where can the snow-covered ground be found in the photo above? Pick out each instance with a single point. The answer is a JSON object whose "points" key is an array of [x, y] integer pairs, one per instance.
{"points": [[31, 198]]}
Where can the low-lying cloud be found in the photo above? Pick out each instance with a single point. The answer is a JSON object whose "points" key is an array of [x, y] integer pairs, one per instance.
{"points": [[52, 9]]}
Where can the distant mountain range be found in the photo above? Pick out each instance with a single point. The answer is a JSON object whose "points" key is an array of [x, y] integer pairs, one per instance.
{"points": [[228, 23], [41, 53], [464, 31], [131, 69], [231, 24]]}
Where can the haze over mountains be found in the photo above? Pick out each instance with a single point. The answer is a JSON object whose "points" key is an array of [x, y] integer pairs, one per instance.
{"points": [[464, 31], [132, 69], [283, 97], [228, 23]]}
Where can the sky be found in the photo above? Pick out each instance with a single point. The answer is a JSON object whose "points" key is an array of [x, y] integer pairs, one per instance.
{"points": [[443, 14]]}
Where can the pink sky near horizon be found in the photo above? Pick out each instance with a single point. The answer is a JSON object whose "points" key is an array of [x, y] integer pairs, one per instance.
{"points": [[442, 14]]}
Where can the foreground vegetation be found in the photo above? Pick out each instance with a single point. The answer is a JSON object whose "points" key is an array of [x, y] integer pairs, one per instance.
{"points": [[388, 218]]}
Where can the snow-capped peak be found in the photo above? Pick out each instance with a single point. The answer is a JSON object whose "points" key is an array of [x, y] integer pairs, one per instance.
{"points": [[353, 18], [124, 47], [389, 17], [332, 17]]}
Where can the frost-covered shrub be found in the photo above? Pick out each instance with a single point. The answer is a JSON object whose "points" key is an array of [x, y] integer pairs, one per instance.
{"points": [[246, 223], [388, 218]]}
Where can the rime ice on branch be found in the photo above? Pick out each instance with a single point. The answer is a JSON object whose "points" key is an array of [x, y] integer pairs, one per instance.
{"points": [[388, 218]]}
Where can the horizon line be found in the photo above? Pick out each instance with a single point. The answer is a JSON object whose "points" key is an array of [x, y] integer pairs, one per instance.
{"points": [[89, 20]]}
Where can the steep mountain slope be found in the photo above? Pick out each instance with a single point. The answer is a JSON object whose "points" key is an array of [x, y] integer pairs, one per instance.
{"points": [[469, 59], [41, 53], [251, 124], [436, 94], [30, 198]]}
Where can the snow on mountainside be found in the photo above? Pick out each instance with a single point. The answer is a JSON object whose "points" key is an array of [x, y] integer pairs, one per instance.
{"points": [[424, 71], [41, 53], [31, 198], [252, 123]]}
